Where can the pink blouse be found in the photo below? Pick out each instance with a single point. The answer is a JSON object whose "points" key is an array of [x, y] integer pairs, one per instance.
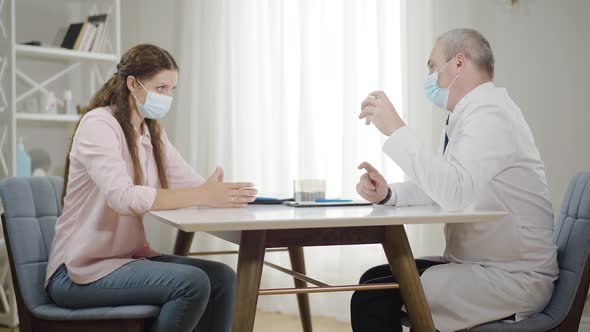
{"points": [[101, 226]]}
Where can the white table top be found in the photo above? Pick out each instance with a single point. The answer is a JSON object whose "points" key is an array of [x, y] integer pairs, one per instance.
{"points": [[266, 217]]}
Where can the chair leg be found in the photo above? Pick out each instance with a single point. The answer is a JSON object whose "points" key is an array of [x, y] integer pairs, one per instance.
{"points": [[298, 265]]}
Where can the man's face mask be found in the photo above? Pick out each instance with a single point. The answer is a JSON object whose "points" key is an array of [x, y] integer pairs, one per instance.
{"points": [[438, 96]]}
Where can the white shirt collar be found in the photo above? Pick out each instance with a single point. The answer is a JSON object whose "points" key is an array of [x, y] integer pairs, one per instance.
{"points": [[482, 88], [464, 102]]}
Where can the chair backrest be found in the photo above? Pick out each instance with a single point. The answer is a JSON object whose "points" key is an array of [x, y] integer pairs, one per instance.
{"points": [[31, 208], [572, 236]]}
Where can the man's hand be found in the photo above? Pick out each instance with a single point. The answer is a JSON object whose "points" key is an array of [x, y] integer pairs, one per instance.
{"points": [[377, 108], [372, 185]]}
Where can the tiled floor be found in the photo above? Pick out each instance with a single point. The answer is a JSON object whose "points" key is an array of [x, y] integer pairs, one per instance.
{"points": [[272, 322]]}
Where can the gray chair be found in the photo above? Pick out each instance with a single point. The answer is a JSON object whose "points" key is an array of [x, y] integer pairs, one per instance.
{"points": [[572, 236], [31, 208]]}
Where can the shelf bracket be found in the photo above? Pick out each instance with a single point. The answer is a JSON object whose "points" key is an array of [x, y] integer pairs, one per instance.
{"points": [[2, 93], [2, 28], [2, 156], [99, 77], [36, 86], [108, 45]]}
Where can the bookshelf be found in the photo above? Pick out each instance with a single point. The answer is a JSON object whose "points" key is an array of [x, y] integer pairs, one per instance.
{"points": [[30, 73]]}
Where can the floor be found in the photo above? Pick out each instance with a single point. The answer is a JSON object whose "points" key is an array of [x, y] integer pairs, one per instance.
{"points": [[270, 322]]}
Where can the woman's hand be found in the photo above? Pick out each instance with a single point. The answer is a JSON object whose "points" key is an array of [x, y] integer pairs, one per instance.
{"points": [[215, 193]]}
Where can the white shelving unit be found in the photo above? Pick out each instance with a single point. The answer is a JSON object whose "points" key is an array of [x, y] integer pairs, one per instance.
{"points": [[29, 72], [47, 117], [84, 72], [62, 53]]}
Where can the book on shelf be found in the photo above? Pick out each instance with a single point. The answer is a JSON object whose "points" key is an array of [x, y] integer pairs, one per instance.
{"points": [[72, 35], [86, 36], [92, 38], [99, 21], [97, 46], [81, 36]]}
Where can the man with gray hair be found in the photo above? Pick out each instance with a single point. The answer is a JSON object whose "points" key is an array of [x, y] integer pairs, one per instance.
{"points": [[487, 160]]}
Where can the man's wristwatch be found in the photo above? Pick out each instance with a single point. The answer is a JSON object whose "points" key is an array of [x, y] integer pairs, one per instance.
{"points": [[387, 198]]}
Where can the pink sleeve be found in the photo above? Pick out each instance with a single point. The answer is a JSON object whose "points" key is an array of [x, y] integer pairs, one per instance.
{"points": [[179, 173], [97, 147]]}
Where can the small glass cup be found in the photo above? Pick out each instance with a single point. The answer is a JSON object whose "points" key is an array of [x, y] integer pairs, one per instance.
{"points": [[309, 190]]}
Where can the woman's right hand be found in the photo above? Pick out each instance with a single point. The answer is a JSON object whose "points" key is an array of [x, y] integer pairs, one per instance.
{"points": [[215, 193]]}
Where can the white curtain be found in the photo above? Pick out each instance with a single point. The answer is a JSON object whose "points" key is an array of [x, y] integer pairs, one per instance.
{"points": [[271, 90]]}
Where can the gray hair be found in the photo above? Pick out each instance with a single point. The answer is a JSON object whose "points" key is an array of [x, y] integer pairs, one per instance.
{"points": [[472, 44]]}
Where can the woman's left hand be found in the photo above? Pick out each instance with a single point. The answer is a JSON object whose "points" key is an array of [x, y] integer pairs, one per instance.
{"points": [[377, 108]]}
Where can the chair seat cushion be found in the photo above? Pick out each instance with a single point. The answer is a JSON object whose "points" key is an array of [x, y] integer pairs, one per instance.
{"points": [[53, 312], [536, 323]]}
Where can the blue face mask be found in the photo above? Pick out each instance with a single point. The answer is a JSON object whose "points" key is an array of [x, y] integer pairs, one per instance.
{"points": [[438, 96], [156, 105]]}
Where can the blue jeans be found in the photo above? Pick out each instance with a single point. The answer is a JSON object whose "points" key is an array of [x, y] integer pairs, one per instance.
{"points": [[195, 295]]}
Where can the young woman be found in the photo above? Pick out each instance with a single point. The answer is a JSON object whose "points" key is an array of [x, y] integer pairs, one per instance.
{"points": [[121, 165]]}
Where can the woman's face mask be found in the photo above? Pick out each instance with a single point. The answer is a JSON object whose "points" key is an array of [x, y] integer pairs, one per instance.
{"points": [[156, 105], [438, 96]]}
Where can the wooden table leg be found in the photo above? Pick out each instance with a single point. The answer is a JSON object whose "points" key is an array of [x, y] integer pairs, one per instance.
{"points": [[298, 265], [401, 260], [183, 243], [250, 262]]}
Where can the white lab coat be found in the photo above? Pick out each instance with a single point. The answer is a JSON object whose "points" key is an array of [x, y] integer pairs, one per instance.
{"points": [[497, 269]]}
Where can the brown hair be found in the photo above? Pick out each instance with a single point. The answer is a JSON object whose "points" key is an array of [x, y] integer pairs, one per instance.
{"points": [[143, 62]]}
